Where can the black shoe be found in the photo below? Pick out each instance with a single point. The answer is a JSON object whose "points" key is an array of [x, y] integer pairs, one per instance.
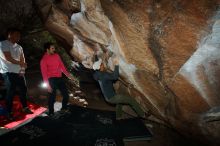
{"points": [[26, 110], [10, 117], [50, 114], [64, 110]]}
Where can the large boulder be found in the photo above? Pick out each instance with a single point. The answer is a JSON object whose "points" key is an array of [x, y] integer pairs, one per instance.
{"points": [[168, 50]]}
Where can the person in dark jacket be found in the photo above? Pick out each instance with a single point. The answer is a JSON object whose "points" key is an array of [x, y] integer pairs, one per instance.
{"points": [[106, 81]]}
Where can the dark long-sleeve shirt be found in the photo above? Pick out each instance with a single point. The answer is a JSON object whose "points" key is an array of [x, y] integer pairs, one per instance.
{"points": [[106, 80]]}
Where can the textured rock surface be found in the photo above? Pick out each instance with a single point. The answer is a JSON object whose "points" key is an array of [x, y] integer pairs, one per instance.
{"points": [[21, 14], [168, 50]]}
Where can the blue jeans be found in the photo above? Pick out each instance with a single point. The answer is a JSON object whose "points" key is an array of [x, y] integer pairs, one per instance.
{"points": [[57, 83], [13, 81]]}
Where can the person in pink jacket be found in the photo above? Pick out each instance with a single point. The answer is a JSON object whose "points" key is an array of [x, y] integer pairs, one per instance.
{"points": [[52, 68]]}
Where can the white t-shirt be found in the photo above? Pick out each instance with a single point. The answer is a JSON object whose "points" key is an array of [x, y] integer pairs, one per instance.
{"points": [[16, 51]]}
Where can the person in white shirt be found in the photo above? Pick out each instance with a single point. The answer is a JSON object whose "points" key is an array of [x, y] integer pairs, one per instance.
{"points": [[12, 68]]}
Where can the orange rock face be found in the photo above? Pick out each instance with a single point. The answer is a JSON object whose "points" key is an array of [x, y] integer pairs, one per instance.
{"points": [[168, 51]]}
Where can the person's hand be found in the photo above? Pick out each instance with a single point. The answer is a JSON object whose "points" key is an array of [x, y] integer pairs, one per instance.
{"points": [[116, 60], [46, 85], [109, 53], [71, 77], [49, 89], [22, 72], [23, 65]]}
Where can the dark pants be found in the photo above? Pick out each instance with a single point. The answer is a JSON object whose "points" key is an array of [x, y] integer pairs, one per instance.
{"points": [[121, 100], [57, 83], [13, 81]]}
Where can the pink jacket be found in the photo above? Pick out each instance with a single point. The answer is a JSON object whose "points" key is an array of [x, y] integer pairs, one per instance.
{"points": [[52, 66]]}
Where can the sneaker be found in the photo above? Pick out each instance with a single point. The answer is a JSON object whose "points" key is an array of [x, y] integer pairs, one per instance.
{"points": [[26, 110]]}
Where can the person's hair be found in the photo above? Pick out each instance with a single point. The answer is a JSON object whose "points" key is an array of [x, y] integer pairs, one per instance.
{"points": [[12, 29], [47, 46]]}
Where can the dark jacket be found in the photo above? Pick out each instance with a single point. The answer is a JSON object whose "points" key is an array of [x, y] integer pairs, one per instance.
{"points": [[106, 81]]}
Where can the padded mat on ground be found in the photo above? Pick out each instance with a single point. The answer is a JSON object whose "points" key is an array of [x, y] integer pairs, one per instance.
{"points": [[80, 127], [18, 115]]}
